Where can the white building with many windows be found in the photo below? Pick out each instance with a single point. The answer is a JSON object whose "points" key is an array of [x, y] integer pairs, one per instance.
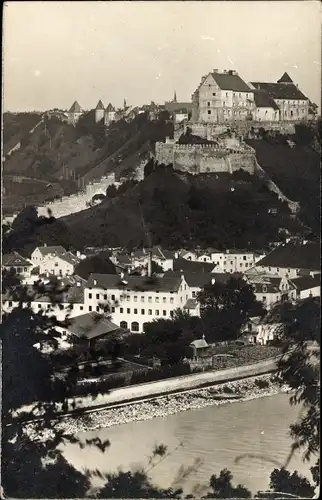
{"points": [[234, 261], [132, 301]]}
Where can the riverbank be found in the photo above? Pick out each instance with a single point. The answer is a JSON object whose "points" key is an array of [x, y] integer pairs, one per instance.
{"points": [[248, 389]]}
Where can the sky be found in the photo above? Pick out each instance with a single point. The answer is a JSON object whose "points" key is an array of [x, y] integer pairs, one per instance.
{"points": [[58, 52]]}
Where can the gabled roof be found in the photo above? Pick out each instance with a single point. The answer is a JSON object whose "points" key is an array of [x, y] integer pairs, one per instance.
{"points": [[285, 79], [75, 108], [229, 81], [178, 106], [100, 105], [51, 250], [293, 256], [135, 283], [157, 252], [91, 325], [307, 282], [264, 100], [15, 260], [110, 107], [70, 258], [192, 266], [280, 90], [191, 304], [199, 344], [72, 295]]}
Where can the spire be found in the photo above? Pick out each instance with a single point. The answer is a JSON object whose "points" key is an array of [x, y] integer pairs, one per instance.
{"points": [[124, 104], [100, 105], [175, 97]]}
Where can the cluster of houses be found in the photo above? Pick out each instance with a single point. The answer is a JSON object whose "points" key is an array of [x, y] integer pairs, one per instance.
{"points": [[136, 295]]}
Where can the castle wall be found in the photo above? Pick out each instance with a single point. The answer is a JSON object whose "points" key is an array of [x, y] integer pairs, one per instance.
{"points": [[206, 158]]}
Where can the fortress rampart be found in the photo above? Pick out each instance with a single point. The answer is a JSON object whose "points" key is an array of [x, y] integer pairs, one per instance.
{"points": [[204, 158]]}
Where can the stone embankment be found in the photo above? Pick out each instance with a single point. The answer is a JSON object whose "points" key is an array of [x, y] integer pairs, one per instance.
{"points": [[255, 387]]}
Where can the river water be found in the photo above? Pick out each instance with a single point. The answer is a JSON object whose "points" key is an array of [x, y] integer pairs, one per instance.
{"points": [[250, 438]]}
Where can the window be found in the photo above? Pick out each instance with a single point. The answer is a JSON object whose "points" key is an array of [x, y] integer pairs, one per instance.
{"points": [[25, 269], [193, 293], [105, 296], [241, 264], [128, 311], [244, 257], [48, 306], [113, 309], [171, 300], [246, 264], [226, 94], [121, 310], [123, 324], [90, 308], [214, 94], [97, 295], [157, 299], [142, 298], [239, 95], [128, 298], [171, 314], [56, 264], [71, 307], [10, 303], [264, 288], [81, 308], [135, 298], [164, 313], [209, 111], [113, 297], [150, 312], [97, 308], [135, 311], [39, 306], [142, 311], [264, 299], [164, 300], [157, 312], [150, 299], [89, 295], [144, 326], [208, 103]]}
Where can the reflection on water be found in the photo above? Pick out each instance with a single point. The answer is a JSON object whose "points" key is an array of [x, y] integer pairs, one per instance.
{"points": [[250, 438]]}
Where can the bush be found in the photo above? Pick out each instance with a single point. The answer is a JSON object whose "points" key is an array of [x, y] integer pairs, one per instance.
{"points": [[261, 384], [228, 389]]}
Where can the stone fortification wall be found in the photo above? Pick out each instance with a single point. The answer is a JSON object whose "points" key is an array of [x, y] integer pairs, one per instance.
{"points": [[241, 128], [204, 158]]}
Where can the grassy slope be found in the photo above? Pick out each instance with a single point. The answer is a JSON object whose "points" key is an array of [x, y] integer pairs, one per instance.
{"points": [[16, 126]]}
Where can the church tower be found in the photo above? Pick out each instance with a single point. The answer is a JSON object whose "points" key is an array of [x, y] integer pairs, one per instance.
{"points": [[175, 96]]}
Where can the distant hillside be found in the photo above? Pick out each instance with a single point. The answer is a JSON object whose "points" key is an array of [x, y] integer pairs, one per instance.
{"points": [[16, 126], [221, 211], [58, 152]]}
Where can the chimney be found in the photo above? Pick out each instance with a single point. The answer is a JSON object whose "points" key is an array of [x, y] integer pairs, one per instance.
{"points": [[149, 264]]}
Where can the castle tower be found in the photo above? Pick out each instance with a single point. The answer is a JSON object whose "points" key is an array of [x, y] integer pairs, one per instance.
{"points": [[124, 104], [99, 111]]}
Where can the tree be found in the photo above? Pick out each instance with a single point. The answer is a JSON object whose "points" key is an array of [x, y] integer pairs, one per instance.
{"points": [[225, 308], [282, 481], [111, 191], [222, 487]]}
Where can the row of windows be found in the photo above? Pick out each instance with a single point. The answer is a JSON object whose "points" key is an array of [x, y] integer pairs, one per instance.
{"points": [[135, 298], [134, 326]]}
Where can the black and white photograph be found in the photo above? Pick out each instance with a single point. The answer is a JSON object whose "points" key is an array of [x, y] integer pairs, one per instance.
{"points": [[160, 249]]}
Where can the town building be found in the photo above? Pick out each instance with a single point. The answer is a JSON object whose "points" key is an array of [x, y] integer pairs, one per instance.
{"points": [[164, 258], [70, 300], [269, 290], [292, 103], [307, 286], [221, 97], [59, 264], [19, 264], [133, 301], [261, 332], [290, 260], [74, 113], [234, 261], [40, 253]]}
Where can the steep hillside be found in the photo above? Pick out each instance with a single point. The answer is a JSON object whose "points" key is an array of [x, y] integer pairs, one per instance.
{"points": [[16, 126], [223, 212], [296, 171]]}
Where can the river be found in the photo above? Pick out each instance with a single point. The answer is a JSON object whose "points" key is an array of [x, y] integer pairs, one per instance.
{"points": [[250, 438]]}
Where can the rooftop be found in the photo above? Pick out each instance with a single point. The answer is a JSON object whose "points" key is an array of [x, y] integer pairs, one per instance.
{"points": [[100, 105], [75, 108], [285, 79], [46, 250], [293, 256], [110, 107], [91, 325], [135, 283], [192, 266], [280, 90], [70, 258], [15, 260], [307, 282], [264, 100], [230, 81]]}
